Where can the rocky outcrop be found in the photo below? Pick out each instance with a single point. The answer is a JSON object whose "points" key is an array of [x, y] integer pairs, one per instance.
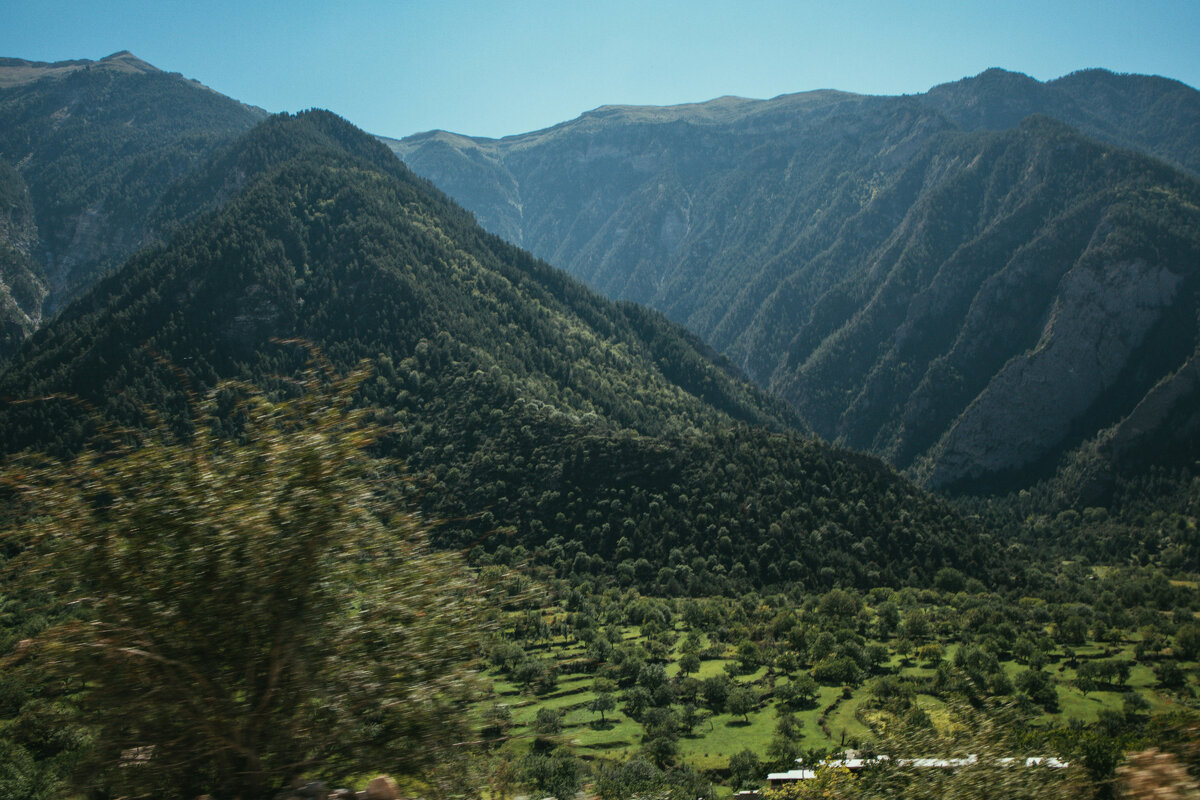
{"points": [[1171, 410], [1100, 318]]}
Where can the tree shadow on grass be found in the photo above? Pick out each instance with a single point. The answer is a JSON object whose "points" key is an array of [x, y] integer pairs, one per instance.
{"points": [[738, 723], [602, 725], [609, 745]]}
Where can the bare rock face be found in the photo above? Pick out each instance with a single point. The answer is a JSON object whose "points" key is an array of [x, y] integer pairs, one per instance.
{"points": [[1099, 319], [1173, 404]]}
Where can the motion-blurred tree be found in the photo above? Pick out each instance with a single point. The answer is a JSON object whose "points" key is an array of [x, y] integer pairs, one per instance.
{"points": [[244, 611]]}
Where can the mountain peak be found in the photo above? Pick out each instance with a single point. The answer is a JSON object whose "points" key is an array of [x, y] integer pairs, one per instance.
{"points": [[993, 79], [126, 59], [18, 71], [999, 73]]}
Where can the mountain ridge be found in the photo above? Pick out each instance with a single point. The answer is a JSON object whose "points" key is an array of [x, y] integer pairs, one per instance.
{"points": [[16, 71], [760, 236]]}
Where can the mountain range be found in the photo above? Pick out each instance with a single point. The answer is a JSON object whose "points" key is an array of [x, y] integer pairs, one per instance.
{"points": [[542, 422], [983, 284], [978, 295]]}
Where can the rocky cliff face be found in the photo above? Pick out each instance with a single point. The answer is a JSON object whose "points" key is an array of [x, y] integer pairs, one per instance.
{"points": [[1099, 319], [914, 274], [1030, 297]]}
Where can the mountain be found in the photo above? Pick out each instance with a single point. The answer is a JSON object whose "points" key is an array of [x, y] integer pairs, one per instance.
{"points": [[94, 145], [542, 421], [972, 283], [1157, 116]]}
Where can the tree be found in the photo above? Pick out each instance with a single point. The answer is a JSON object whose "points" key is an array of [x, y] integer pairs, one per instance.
{"points": [[876, 656], [784, 747], [887, 618], [787, 663], [547, 722], [662, 750], [798, 693], [715, 691], [745, 770], [1073, 630], [948, 579], [1187, 642], [748, 657], [530, 672], [842, 671], [498, 720], [689, 663], [639, 778], [556, 774], [916, 626], [1169, 675], [741, 702], [601, 703], [1040, 688], [637, 699], [244, 609], [661, 723]]}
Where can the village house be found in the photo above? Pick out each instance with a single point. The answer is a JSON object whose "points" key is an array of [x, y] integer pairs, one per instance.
{"points": [[854, 762]]}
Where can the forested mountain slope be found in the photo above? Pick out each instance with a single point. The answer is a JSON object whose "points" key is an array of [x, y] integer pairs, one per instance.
{"points": [[543, 421], [95, 144], [942, 279]]}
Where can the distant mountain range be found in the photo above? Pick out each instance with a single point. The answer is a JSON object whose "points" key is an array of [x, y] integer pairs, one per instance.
{"points": [[980, 283]]}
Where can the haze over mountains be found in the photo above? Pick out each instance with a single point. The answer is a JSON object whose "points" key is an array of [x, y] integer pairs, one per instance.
{"points": [[981, 284]]}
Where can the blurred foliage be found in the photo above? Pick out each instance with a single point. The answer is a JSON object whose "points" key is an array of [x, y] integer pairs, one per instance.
{"points": [[242, 608]]}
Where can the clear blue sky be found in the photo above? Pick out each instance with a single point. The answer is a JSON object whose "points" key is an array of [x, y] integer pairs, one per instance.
{"points": [[496, 68]]}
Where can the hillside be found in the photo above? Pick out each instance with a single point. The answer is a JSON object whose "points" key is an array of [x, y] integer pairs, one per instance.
{"points": [[545, 423], [95, 144], [914, 274]]}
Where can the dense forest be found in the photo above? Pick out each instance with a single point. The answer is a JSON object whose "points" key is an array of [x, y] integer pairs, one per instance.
{"points": [[539, 415]]}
